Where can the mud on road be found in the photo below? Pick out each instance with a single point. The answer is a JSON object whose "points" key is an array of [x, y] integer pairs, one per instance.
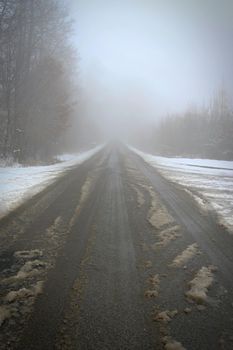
{"points": [[113, 256]]}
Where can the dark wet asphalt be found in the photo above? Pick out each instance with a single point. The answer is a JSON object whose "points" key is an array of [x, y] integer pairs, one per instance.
{"points": [[94, 295]]}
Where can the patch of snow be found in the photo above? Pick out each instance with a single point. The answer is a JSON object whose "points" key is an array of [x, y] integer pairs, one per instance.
{"points": [[4, 314], [38, 288], [210, 182], [200, 284], [154, 291], [154, 280], [19, 302], [18, 184], [165, 316], [160, 218], [28, 254], [151, 293], [158, 215], [185, 256], [140, 197], [29, 269], [171, 344], [202, 203], [166, 236], [18, 295], [24, 293], [85, 191], [187, 310], [148, 264], [54, 228]]}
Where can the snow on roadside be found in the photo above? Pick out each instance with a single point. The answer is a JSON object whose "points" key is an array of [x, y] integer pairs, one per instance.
{"points": [[17, 184], [210, 182]]}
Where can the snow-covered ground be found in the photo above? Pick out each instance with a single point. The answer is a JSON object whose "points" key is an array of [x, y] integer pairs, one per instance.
{"points": [[20, 183], [209, 181]]}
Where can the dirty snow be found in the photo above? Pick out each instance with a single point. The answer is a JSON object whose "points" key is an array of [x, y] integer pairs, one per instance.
{"points": [[185, 256], [24, 293], [54, 228], [29, 269], [154, 282], [28, 254], [85, 191], [158, 215], [140, 196], [165, 316], [166, 236], [160, 218], [171, 344], [18, 302], [4, 314], [17, 184], [201, 284], [209, 181]]}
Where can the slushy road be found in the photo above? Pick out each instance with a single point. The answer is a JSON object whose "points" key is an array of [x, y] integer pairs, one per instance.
{"points": [[113, 256]]}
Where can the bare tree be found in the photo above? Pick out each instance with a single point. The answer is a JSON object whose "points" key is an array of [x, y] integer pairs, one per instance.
{"points": [[203, 132], [35, 76]]}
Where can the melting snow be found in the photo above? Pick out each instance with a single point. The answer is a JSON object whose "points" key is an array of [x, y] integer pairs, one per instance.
{"points": [[209, 181], [28, 254], [85, 191], [200, 284], [140, 197], [171, 344], [4, 314], [185, 256], [29, 269], [166, 236], [24, 293], [158, 215], [17, 300], [154, 291], [20, 183], [165, 316]]}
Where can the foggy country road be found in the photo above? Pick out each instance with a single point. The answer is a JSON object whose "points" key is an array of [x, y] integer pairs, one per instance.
{"points": [[113, 256]]}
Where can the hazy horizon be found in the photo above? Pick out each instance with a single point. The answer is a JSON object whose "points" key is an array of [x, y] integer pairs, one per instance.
{"points": [[140, 60]]}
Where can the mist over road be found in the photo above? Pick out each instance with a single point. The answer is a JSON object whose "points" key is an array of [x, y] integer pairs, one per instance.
{"points": [[114, 256]]}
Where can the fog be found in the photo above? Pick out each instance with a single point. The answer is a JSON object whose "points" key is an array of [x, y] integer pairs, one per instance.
{"points": [[140, 60]]}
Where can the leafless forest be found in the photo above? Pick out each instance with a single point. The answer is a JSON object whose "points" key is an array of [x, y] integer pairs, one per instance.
{"points": [[36, 88], [43, 110], [202, 132], [116, 174]]}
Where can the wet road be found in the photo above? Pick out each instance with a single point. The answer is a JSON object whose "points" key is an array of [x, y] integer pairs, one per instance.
{"points": [[113, 256]]}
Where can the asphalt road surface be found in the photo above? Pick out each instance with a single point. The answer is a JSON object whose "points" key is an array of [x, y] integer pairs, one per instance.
{"points": [[113, 256]]}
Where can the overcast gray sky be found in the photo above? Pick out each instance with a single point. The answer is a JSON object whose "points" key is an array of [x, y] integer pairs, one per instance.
{"points": [[167, 54]]}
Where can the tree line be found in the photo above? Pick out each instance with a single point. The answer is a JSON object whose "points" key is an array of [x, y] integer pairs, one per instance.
{"points": [[36, 77], [199, 132]]}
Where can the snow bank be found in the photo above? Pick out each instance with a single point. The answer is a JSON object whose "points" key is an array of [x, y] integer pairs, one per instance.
{"points": [[210, 182], [17, 184]]}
